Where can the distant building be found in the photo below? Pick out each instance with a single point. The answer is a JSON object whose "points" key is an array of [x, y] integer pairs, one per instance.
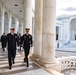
{"points": [[65, 30]]}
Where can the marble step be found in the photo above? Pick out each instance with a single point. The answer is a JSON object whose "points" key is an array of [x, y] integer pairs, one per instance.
{"points": [[16, 69], [3, 66], [16, 61], [35, 72], [5, 53], [6, 62], [4, 58], [1, 53]]}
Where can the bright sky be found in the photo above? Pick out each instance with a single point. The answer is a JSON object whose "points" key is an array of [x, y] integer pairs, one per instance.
{"points": [[65, 7]]}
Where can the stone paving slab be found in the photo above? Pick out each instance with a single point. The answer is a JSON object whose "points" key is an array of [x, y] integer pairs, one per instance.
{"points": [[34, 72], [19, 68]]}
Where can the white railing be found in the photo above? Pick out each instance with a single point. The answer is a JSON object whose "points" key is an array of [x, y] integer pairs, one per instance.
{"points": [[67, 62]]}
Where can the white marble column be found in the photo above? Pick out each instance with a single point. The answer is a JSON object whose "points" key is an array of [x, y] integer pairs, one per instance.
{"points": [[47, 59], [59, 33], [73, 34], [16, 29], [2, 18], [22, 27], [38, 29], [27, 15], [9, 21], [48, 31]]}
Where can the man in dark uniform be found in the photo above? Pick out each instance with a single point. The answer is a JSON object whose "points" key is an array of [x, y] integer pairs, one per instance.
{"points": [[27, 43], [3, 41], [12, 39], [19, 40]]}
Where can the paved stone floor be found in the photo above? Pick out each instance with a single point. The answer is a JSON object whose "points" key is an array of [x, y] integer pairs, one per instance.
{"points": [[19, 68], [64, 53]]}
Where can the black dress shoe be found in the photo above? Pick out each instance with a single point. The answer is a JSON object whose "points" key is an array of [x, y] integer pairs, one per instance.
{"points": [[10, 68], [3, 50], [24, 60], [13, 62], [27, 65]]}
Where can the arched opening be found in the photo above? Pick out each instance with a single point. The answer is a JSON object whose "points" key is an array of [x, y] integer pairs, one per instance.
{"points": [[57, 33], [6, 23], [13, 22], [73, 29], [20, 27], [0, 21]]}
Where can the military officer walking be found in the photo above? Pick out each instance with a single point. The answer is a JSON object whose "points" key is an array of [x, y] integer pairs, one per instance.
{"points": [[3, 41], [11, 40], [27, 43]]}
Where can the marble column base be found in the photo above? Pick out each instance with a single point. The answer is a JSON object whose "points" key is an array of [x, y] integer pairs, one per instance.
{"points": [[56, 65], [35, 58]]}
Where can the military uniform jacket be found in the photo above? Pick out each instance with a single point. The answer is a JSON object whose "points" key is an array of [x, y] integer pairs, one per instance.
{"points": [[12, 40], [27, 41], [3, 40]]}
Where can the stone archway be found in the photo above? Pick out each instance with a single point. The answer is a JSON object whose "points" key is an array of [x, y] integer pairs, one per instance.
{"points": [[57, 33], [13, 22], [73, 29], [20, 27], [0, 21], [6, 22]]}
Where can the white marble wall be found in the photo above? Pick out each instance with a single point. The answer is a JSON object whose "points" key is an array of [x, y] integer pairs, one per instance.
{"points": [[3, 9]]}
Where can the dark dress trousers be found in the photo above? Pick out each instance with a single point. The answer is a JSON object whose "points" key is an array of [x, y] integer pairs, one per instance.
{"points": [[19, 41], [12, 40], [27, 43]]}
